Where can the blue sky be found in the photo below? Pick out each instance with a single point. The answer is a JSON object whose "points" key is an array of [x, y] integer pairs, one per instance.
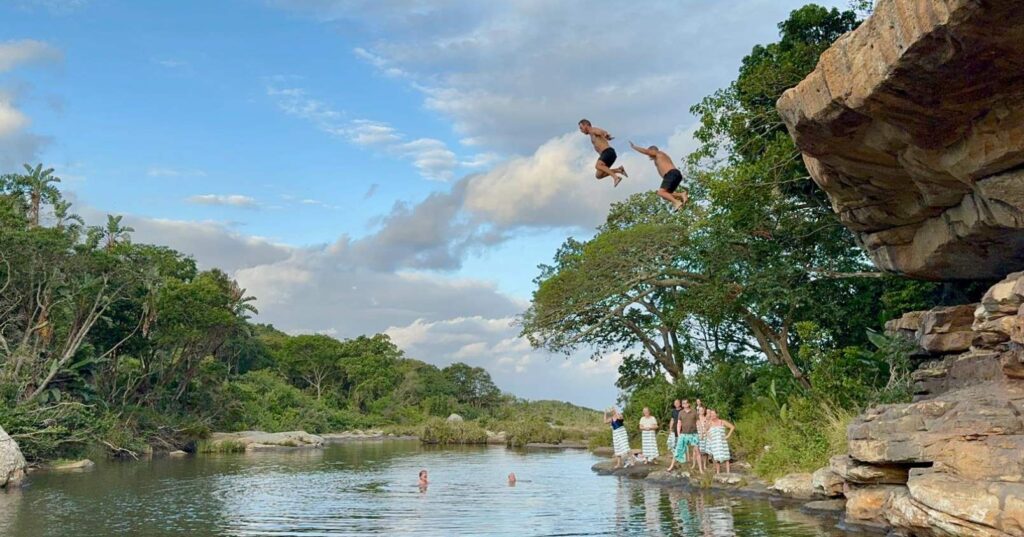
{"points": [[368, 166]]}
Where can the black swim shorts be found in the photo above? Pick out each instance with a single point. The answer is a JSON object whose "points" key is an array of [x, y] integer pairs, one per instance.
{"points": [[671, 180], [608, 157]]}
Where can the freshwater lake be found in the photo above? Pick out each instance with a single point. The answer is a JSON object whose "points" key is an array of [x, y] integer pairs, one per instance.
{"points": [[369, 488]]}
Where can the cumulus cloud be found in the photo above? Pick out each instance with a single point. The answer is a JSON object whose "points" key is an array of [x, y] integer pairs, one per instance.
{"points": [[17, 143], [231, 200]]}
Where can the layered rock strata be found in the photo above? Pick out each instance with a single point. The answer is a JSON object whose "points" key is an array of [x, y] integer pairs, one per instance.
{"points": [[914, 126], [951, 462]]}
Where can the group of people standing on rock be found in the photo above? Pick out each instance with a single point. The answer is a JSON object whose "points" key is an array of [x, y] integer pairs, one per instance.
{"points": [[693, 434]]}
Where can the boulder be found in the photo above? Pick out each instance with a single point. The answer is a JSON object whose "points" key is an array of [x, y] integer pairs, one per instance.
{"points": [[497, 438], [178, 453], [866, 505], [454, 418], [729, 480], [797, 486], [12, 463], [825, 482], [912, 125]]}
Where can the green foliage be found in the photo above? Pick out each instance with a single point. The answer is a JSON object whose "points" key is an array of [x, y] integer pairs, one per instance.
{"points": [[266, 401], [524, 431], [439, 431], [799, 435]]}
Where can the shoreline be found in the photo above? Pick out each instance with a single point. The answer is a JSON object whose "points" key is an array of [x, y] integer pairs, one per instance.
{"points": [[737, 485]]}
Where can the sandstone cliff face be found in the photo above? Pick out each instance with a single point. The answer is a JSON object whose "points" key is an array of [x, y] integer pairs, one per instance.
{"points": [[914, 126], [951, 462]]}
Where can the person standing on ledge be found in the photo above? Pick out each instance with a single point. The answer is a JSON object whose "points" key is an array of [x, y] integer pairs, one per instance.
{"points": [[670, 176], [687, 440], [600, 138], [620, 440], [673, 419], [649, 435]]}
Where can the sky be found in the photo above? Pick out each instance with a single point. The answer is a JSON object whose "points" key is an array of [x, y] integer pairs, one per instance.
{"points": [[369, 166]]}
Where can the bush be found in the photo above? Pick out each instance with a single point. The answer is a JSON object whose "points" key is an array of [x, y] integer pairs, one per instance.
{"points": [[799, 436], [522, 432], [439, 431]]}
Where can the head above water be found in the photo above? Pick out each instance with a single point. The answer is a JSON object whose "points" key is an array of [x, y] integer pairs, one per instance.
{"points": [[423, 474], [585, 125]]}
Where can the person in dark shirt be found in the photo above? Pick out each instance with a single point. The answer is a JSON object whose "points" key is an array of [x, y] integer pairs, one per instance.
{"points": [[672, 425]]}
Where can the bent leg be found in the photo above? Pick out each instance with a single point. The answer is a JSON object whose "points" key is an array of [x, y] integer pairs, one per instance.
{"points": [[604, 171], [666, 195]]}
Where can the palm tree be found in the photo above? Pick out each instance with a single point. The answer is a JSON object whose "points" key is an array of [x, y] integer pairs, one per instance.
{"points": [[116, 234], [64, 218], [40, 189]]}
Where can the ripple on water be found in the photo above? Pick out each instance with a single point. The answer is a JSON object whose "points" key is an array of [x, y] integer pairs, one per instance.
{"points": [[370, 489]]}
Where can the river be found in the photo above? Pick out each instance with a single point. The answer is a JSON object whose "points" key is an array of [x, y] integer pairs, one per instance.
{"points": [[369, 488]]}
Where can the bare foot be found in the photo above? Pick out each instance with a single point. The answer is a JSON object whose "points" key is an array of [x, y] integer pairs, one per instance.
{"points": [[617, 180], [677, 206], [622, 170]]}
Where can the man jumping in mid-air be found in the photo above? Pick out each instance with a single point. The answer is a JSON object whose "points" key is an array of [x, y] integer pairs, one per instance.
{"points": [[670, 175], [600, 139]]}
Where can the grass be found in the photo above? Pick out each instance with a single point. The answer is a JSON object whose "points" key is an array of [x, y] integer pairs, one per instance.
{"points": [[439, 431], [223, 446], [800, 436]]}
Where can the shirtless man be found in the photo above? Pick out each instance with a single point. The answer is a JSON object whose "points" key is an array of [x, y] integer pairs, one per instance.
{"points": [[671, 176], [600, 139]]}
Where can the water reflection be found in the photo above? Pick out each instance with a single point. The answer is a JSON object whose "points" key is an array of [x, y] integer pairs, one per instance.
{"points": [[673, 512]]}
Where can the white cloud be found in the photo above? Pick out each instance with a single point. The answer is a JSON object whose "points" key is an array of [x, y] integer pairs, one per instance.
{"points": [[17, 143], [430, 156], [11, 119], [26, 51], [508, 74], [233, 200]]}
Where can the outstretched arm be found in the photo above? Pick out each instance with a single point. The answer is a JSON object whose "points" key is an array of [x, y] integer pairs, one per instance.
{"points": [[643, 150]]}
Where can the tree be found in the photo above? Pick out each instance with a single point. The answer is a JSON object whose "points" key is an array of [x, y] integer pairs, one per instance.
{"points": [[472, 385], [39, 185], [114, 233], [316, 359]]}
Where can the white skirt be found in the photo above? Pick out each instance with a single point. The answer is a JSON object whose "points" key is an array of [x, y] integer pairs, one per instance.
{"points": [[620, 441], [650, 444]]}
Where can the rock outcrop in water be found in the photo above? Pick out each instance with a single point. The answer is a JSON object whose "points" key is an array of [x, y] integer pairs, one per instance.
{"points": [[261, 441], [914, 126], [12, 463]]}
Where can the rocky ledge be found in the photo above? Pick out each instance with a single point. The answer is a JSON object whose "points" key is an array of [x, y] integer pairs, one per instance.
{"points": [[260, 441], [951, 462], [914, 126]]}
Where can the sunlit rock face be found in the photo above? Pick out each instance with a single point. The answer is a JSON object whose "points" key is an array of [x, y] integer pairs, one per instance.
{"points": [[914, 126]]}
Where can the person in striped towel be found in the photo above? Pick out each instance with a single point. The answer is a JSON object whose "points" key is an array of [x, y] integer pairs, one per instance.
{"points": [[620, 439], [718, 440], [649, 435]]}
